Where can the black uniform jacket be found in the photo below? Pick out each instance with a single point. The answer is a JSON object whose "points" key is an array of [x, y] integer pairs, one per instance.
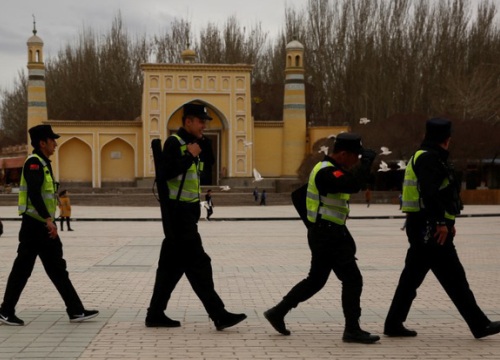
{"points": [[337, 180], [431, 170]]}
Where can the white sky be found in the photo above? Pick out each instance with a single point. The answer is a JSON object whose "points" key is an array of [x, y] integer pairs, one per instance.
{"points": [[61, 21]]}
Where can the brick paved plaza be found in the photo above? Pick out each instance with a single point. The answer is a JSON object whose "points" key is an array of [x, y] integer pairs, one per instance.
{"points": [[112, 264]]}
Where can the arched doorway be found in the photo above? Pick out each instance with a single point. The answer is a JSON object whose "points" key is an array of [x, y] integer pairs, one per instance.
{"points": [[75, 163], [117, 164]]}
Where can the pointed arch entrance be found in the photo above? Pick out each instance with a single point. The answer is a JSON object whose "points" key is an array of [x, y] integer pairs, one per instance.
{"points": [[75, 162], [213, 155], [118, 164]]}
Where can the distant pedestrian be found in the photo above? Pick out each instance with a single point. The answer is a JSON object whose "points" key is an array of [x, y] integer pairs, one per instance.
{"points": [[255, 194], [65, 209], [263, 197], [209, 204], [368, 197]]}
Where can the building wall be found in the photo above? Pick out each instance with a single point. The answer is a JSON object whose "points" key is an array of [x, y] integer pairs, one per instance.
{"points": [[118, 162], [94, 153], [224, 89], [101, 153], [75, 162], [268, 148]]}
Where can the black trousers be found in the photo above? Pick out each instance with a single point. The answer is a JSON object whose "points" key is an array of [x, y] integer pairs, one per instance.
{"points": [[68, 220], [34, 241], [444, 262], [182, 253], [332, 249], [210, 211]]}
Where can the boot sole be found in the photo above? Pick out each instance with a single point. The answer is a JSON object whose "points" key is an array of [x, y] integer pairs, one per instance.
{"points": [[84, 318], [360, 341], [157, 325], [285, 331], [232, 323]]}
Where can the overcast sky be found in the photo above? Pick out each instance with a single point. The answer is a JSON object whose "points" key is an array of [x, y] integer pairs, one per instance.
{"points": [[61, 21]]}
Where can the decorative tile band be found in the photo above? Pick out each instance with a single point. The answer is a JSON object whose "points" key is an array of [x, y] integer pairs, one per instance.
{"points": [[295, 77], [294, 86], [294, 106], [37, 103]]}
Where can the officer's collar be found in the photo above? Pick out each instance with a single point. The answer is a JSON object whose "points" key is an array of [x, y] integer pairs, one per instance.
{"points": [[187, 137], [332, 160], [39, 153], [430, 145]]}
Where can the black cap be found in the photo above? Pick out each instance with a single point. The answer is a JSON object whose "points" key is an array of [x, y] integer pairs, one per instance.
{"points": [[437, 130], [348, 142], [42, 132], [199, 111]]}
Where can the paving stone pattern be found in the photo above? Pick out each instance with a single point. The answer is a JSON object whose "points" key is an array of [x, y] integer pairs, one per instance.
{"points": [[112, 265]]}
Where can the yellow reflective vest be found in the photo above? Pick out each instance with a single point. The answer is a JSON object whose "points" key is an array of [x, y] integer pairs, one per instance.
{"points": [[412, 201], [411, 196], [190, 191], [329, 207], [48, 192]]}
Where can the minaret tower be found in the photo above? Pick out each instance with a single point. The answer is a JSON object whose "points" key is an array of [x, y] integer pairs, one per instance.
{"points": [[37, 102], [294, 110]]}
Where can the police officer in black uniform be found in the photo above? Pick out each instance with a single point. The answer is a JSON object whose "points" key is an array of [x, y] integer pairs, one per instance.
{"points": [[431, 201], [38, 235], [332, 246], [182, 250]]}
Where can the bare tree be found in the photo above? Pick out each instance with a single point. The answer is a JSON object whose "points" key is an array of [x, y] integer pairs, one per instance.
{"points": [[169, 46], [13, 112], [396, 62], [99, 78]]}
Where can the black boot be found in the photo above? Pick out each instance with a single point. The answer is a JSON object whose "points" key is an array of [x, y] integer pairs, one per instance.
{"points": [[161, 320], [354, 334], [398, 330], [227, 319], [491, 329], [276, 316]]}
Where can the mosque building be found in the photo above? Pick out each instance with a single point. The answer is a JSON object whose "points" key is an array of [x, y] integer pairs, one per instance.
{"points": [[118, 153]]}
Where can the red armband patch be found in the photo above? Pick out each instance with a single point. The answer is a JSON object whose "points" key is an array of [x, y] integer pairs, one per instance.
{"points": [[34, 167], [338, 173]]}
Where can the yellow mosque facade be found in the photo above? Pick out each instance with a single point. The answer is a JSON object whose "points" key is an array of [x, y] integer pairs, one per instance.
{"points": [[118, 153]]}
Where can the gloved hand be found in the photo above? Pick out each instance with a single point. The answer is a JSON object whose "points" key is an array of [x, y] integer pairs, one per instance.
{"points": [[368, 156]]}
